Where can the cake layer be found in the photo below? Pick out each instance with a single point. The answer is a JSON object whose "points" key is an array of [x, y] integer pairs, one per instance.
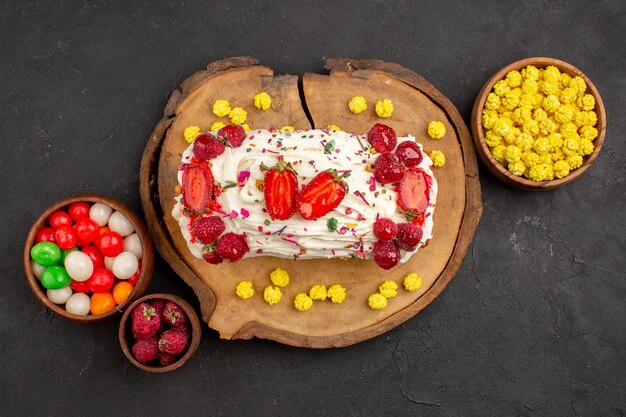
{"points": [[239, 179]]}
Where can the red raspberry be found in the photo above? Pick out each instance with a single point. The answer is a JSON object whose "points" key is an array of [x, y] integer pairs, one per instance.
{"points": [[173, 342], [382, 138], [167, 359], [144, 320], [234, 135], [207, 147], [232, 247], [211, 256], [386, 254], [184, 330], [159, 305], [387, 169], [174, 315], [385, 229], [208, 229], [409, 154], [408, 236], [146, 350]]}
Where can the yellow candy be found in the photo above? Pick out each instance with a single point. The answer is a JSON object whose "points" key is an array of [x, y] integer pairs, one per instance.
{"points": [[540, 115], [510, 100], [262, 101], [318, 292], [574, 161], [272, 295], [286, 127], [530, 126], [388, 289], [502, 127], [492, 102], [279, 277], [568, 95], [530, 87], [551, 103], [542, 145], [221, 108], [579, 85], [530, 72], [565, 80], [438, 158], [517, 168], [587, 102], [245, 126], [238, 116], [489, 118], [561, 169], [336, 293], [191, 133], [377, 301], [550, 88], [571, 145], [334, 127], [586, 147], [514, 79], [436, 130], [501, 88], [564, 114], [357, 104], [498, 153], [512, 154], [244, 290], [384, 108], [412, 282], [302, 302], [588, 132], [524, 141], [217, 126], [530, 158], [552, 74], [491, 139]]}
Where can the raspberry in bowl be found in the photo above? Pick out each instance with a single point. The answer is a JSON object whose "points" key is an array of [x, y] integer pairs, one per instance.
{"points": [[87, 257], [159, 332]]}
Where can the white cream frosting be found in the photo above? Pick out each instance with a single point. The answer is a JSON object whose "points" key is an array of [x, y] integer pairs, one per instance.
{"points": [[309, 153]]}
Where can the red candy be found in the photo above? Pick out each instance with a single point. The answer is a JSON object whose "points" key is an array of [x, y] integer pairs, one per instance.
{"points": [[59, 219], [78, 210], [80, 286], [96, 256], [87, 230], [45, 234], [101, 280], [65, 237], [110, 244]]}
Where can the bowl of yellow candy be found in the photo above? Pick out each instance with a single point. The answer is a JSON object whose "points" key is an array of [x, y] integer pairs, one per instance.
{"points": [[538, 123]]}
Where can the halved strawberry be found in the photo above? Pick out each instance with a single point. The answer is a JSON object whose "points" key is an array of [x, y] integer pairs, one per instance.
{"points": [[197, 187], [321, 195], [413, 193], [280, 189]]}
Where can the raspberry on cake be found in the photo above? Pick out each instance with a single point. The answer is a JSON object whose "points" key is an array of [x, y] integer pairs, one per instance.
{"points": [[305, 194]]}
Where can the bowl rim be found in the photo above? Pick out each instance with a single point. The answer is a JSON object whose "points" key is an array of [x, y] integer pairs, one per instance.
{"points": [[194, 342], [147, 260], [485, 153]]}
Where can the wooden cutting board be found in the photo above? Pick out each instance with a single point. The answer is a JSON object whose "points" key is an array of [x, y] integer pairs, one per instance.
{"points": [[325, 98]]}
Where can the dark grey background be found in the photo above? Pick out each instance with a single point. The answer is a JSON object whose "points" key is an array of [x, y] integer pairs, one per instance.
{"points": [[533, 324]]}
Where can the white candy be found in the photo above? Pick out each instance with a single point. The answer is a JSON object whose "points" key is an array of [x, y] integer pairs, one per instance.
{"points": [[125, 265], [100, 213], [133, 244], [59, 296], [37, 269], [79, 266], [120, 224], [108, 262], [78, 303]]}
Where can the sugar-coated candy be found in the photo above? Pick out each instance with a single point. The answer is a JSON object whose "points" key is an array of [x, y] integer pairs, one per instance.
{"points": [[100, 213], [59, 296], [55, 277], [78, 304], [125, 265], [79, 266], [46, 253], [37, 269], [133, 244], [120, 224]]}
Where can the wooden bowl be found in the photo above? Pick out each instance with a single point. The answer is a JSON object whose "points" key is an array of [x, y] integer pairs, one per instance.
{"points": [[485, 153], [126, 337], [147, 261]]}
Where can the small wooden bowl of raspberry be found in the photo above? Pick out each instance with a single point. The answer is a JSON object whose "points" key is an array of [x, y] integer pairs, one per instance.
{"points": [[159, 332], [538, 123]]}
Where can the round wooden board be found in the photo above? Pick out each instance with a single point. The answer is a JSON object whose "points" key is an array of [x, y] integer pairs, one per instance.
{"points": [[325, 97]]}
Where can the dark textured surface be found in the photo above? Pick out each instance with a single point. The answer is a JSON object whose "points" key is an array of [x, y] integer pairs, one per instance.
{"points": [[533, 324]]}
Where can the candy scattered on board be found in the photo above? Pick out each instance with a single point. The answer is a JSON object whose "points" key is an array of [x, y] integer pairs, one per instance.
{"points": [[88, 258]]}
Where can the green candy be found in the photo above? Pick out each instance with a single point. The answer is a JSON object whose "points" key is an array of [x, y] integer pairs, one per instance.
{"points": [[55, 277], [65, 253], [46, 253]]}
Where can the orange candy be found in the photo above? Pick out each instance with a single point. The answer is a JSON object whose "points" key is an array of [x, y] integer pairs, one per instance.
{"points": [[121, 291], [102, 302], [104, 229]]}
